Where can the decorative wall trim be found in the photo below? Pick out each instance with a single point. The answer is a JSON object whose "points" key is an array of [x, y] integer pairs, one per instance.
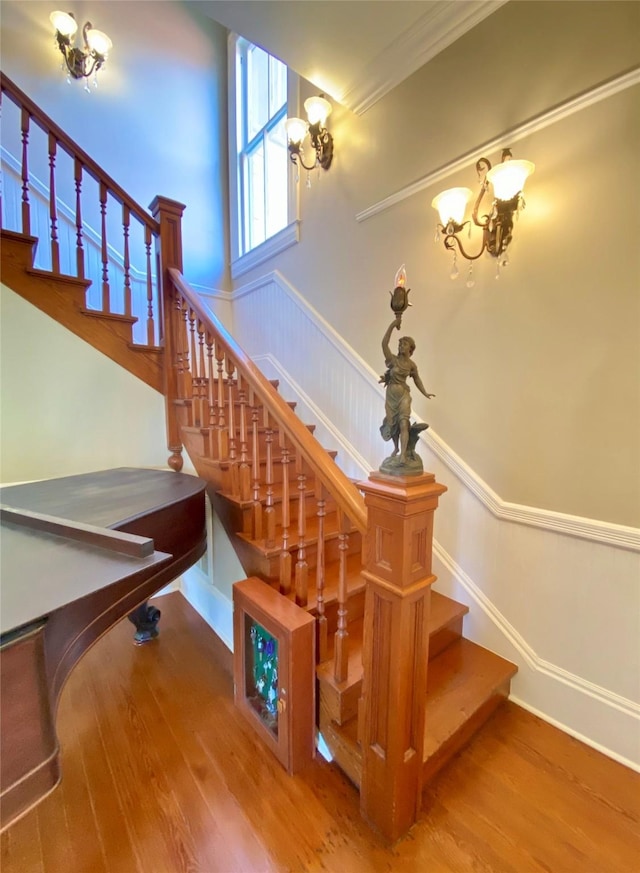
{"points": [[595, 530], [507, 138], [338, 438], [574, 525], [213, 293], [287, 237], [438, 28], [602, 695]]}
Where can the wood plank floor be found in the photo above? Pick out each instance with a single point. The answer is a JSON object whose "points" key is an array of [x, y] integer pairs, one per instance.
{"points": [[162, 775]]}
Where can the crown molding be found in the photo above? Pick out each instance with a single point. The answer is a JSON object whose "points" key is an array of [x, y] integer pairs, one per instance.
{"points": [[442, 25]]}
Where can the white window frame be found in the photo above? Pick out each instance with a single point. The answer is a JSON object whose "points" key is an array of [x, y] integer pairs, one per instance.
{"points": [[242, 262]]}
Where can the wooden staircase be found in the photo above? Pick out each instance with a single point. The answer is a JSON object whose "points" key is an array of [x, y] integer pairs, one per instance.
{"points": [[294, 519]]}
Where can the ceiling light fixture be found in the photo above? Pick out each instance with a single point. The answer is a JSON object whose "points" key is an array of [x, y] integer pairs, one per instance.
{"points": [[318, 110], [80, 63], [507, 179]]}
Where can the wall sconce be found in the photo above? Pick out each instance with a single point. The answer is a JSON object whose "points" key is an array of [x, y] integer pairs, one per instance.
{"points": [[507, 179], [81, 63], [318, 110]]}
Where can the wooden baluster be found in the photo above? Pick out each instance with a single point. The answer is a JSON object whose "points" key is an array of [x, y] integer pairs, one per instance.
{"points": [[321, 618], [26, 209], [256, 515], [77, 175], [194, 376], [106, 293], [210, 400], [1, 173], [302, 567], [151, 331], [233, 483], [53, 206], [244, 471], [182, 349], [223, 444], [269, 511], [285, 554], [203, 409], [341, 658], [126, 221]]}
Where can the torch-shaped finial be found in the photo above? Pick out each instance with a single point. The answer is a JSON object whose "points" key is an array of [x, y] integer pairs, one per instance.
{"points": [[400, 293]]}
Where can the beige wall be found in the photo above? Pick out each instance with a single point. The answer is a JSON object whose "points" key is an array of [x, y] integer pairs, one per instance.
{"points": [[66, 408], [537, 375]]}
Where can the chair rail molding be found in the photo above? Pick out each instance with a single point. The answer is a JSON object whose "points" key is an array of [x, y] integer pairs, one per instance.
{"points": [[507, 137]]}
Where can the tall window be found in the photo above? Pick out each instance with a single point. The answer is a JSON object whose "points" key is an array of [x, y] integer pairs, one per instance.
{"points": [[262, 141], [260, 166]]}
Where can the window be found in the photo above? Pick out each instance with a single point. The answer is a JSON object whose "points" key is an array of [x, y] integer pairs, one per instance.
{"points": [[263, 198]]}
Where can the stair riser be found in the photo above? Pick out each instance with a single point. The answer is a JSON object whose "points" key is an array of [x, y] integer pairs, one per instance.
{"points": [[340, 707], [461, 737], [444, 637], [271, 564], [310, 507]]}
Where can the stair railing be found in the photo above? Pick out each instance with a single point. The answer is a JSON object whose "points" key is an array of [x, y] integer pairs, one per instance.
{"points": [[224, 395], [87, 225]]}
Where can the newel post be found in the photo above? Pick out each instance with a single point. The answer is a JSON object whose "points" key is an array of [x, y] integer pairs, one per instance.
{"points": [[398, 550], [168, 213]]}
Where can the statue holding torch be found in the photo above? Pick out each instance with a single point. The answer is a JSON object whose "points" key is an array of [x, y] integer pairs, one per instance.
{"points": [[396, 426]]}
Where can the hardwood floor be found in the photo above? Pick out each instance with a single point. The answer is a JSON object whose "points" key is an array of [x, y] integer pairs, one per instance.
{"points": [[161, 774]]}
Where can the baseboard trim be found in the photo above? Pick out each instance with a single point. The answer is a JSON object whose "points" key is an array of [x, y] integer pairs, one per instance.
{"points": [[632, 765]]}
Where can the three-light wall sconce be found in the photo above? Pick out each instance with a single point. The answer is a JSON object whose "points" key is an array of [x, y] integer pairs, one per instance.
{"points": [[318, 110], [507, 180], [81, 63]]}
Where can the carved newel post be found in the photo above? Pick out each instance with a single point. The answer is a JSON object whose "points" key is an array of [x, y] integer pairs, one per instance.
{"points": [[398, 554], [401, 500], [168, 214]]}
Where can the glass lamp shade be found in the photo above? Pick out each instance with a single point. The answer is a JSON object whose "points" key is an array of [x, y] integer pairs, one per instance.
{"points": [[318, 110], [64, 23], [401, 278], [98, 42], [508, 178], [451, 204], [296, 130]]}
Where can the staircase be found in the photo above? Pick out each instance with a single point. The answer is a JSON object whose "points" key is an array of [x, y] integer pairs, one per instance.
{"points": [[294, 519]]}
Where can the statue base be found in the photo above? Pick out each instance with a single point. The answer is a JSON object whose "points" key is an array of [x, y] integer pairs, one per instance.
{"points": [[395, 466]]}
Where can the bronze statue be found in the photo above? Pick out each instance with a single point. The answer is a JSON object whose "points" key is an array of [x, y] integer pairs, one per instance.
{"points": [[396, 426]]}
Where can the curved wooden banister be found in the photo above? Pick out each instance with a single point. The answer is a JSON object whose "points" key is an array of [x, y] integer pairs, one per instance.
{"points": [[343, 491], [75, 151]]}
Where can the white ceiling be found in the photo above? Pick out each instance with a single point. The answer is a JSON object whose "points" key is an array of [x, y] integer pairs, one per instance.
{"points": [[354, 50]]}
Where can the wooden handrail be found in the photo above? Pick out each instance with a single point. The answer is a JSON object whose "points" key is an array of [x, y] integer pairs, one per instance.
{"points": [[49, 126], [344, 492]]}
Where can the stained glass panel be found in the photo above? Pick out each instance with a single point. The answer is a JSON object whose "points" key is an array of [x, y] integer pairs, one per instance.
{"points": [[261, 680]]}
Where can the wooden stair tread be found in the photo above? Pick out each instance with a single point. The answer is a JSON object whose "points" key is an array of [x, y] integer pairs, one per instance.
{"points": [[443, 611], [460, 681], [354, 579]]}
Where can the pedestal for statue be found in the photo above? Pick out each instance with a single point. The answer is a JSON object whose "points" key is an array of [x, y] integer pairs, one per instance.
{"points": [[398, 557]]}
